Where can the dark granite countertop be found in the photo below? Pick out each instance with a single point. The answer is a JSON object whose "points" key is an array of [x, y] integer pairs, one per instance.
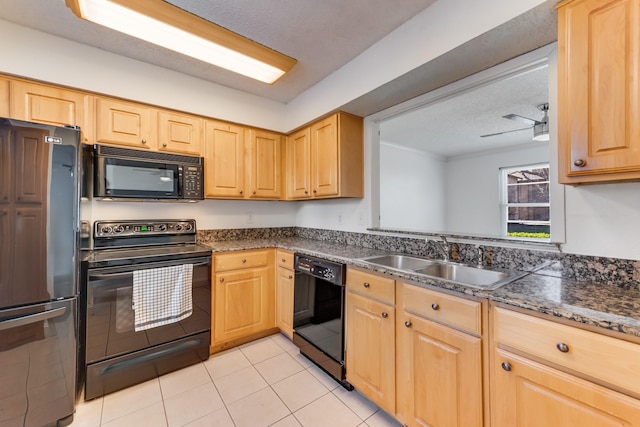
{"points": [[542, 290]]}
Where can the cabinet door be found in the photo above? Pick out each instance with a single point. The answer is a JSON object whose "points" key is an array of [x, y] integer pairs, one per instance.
{"points": [[439, 375], [528, 394], [324, 157], [125, 123], [370, 349], [299, 165], [264, 151], [6, 167], [51, 105], [4, 97], [30, 166], [180, 133], [244, 303], [599, 95], [284, 301], [224, 160]]}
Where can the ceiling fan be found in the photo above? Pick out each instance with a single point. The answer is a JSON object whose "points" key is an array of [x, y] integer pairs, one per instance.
{"points": [[540, 128]]}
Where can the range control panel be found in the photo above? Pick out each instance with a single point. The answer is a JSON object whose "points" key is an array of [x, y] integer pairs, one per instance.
{"points": [[139, 228]]}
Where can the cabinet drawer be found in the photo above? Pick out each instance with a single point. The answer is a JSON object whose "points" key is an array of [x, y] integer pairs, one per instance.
{"points": [[238, 260], [371, 285], [447, 309], [284, 259], [598, 356]]}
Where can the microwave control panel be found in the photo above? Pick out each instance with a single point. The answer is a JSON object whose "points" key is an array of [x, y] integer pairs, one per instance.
{"points": [[192, 182]]}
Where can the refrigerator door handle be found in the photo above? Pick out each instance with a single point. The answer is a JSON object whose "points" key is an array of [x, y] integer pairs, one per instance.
{"points": [[32, 318]]}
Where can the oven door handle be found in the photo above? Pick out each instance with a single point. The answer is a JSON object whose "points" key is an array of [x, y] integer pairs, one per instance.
{"points": [[109, 276]]}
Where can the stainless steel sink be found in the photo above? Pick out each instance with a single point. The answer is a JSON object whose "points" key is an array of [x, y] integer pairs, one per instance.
{"points": [[449, 271], [470, 276], [400, 262]]}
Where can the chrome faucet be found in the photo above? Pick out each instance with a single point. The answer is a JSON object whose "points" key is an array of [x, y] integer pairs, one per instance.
{"points": [[480, 251], [443, 247]]}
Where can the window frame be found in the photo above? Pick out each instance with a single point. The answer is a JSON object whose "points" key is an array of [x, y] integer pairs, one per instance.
{"points": [[504, 199]]}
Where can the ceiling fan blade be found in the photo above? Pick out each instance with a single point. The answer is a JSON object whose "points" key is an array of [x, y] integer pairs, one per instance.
{"points": [[507, 131], [521, 119]]}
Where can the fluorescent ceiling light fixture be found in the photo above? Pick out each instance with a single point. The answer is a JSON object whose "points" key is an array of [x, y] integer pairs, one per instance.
{"points": [[163, 24]]}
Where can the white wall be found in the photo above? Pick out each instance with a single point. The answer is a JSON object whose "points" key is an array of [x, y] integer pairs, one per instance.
{"points": [[209, 214], [473, 187], [413, 191]]}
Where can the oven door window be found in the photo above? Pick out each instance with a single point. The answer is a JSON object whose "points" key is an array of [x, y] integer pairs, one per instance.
{"points": [[134, 178], [110, 317]]}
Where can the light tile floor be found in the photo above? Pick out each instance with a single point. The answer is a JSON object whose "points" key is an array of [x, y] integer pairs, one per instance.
{"points": [[260, 384]]}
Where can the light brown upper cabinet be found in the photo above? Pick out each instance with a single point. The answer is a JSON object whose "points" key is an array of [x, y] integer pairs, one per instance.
{"points": [[326, 159], [598, 90], [223, 160], [125, 123], [263, 164], [4, 97], [51, 105], [180, 133]]}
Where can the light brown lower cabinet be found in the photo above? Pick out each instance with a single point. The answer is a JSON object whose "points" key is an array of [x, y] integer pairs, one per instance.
{"points": [[438, 368], [284, 292], [546, 373], [530, 394], [243, 295]]}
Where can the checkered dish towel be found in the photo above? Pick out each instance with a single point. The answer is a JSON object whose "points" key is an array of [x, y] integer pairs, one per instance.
{"points": [[162, 296]]}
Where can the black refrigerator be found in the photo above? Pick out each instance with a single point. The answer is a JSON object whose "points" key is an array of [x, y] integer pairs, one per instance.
{"points": [[39, 232]]}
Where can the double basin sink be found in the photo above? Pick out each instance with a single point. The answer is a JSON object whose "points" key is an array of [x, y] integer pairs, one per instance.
{"points": [[466, 275]]}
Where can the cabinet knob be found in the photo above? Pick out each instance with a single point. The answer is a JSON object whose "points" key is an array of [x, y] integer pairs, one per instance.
{"points": [[244, 261], [435, 306], [241, 192], [384, 314], [315, 191], [222, 280], [254, 193], [306, 192], [579, 163], [366, 284], [283, 260], [407, 323], [506, 366], [144, 141], [562, 347], [164, 144], [290, 277]]}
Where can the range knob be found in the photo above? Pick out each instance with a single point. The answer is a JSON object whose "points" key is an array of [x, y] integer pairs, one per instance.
{"points": [[178, 227], [188, 227], [106, 229], [118, 228], [162, 227]]}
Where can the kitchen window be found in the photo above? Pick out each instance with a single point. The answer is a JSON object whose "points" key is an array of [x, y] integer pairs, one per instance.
{"points": [[525, 201]]}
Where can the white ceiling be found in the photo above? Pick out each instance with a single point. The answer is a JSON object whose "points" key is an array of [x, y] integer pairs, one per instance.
{"points": [[322, 35], [454, 126]]}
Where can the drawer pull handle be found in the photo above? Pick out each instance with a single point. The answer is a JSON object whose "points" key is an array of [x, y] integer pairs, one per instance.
{"points": [[222, 280], [562, 347], [407, 323], [366, 284], [435, 306], [506, 366], [384, 314]]}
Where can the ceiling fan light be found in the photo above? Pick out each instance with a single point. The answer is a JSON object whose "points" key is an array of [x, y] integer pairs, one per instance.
{"points": [[541, 131], [168, 26]]}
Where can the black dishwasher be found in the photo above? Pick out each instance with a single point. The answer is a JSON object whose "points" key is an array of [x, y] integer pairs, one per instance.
{"points": [[318, 314]]}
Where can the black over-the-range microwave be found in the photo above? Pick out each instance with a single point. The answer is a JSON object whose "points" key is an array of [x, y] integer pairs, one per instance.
{"points": [[126, 174]]}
